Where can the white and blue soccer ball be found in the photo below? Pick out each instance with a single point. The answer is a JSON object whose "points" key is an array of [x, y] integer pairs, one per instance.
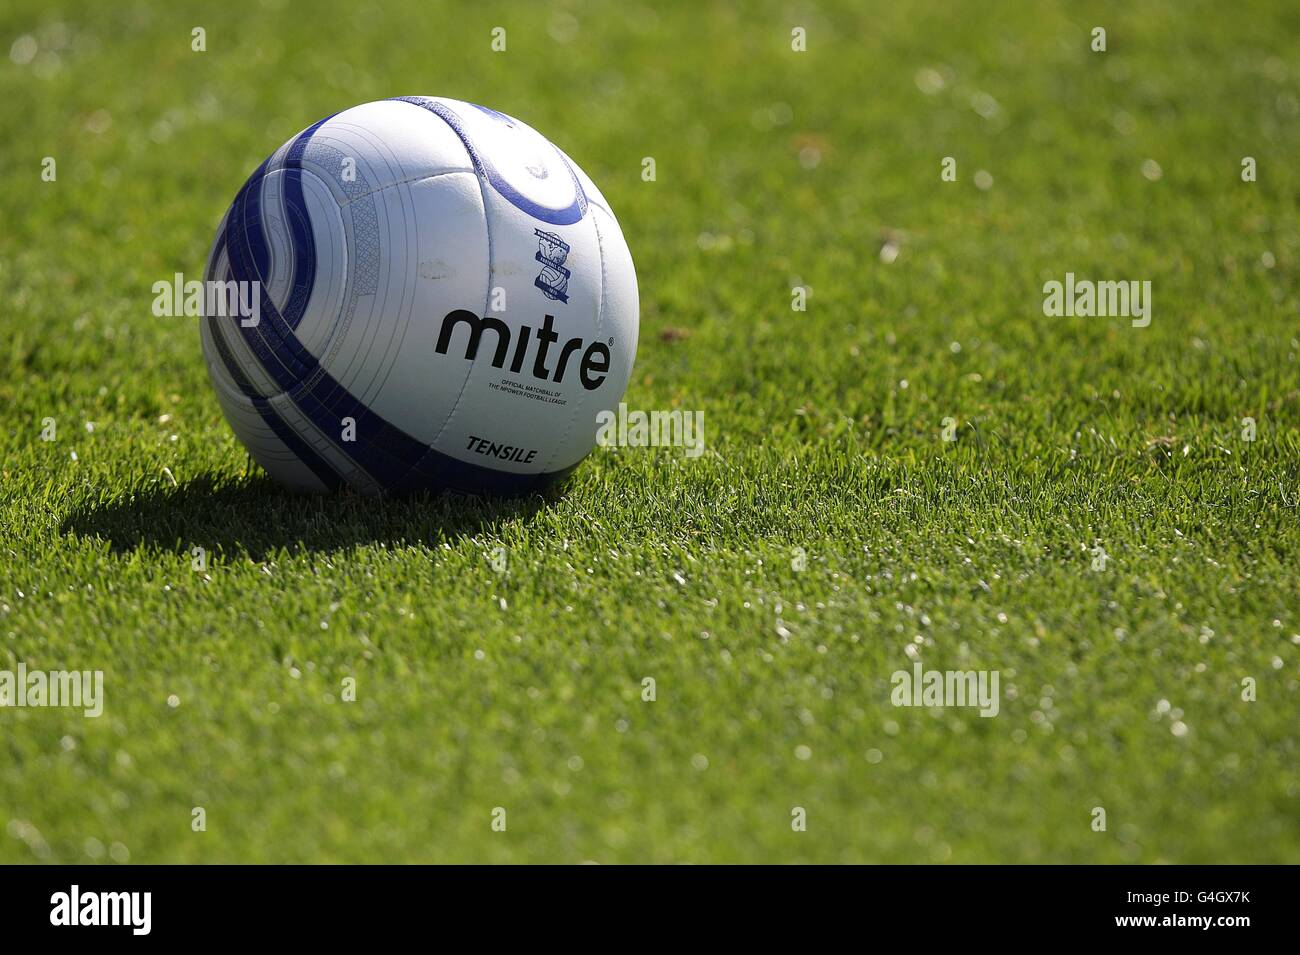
{"points": [[446, 301]]}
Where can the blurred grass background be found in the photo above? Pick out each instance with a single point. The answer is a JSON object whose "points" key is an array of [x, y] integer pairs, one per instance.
{"points": [[774, 168]]}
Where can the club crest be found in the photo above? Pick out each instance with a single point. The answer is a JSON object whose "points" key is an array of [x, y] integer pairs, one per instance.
{"points": [[553, 280]]}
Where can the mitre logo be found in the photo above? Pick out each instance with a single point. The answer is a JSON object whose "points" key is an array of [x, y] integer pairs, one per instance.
{"points": [[592, 368]]}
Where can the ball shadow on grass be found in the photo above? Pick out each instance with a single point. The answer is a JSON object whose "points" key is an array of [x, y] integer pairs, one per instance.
{"points": [[256, 517]]}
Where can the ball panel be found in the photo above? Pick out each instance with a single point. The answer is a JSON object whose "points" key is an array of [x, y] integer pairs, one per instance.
{"points": [[231, 363], [524, 383], [388, 142], [272, 218], [589, 189], [434, 258], [316, 218], [621, 308], [518, 162], [276, 445], [617, 324], [513, 159]]}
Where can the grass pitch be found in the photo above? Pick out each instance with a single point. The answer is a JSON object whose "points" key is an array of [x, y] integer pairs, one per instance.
{"points": [[1099, 530]]}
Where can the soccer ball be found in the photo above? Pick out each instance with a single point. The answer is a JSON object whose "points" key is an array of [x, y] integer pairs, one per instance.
{"points": [[443, 300]]}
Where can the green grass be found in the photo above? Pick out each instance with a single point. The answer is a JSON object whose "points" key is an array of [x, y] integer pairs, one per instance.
{"points": [[477, 690]]}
